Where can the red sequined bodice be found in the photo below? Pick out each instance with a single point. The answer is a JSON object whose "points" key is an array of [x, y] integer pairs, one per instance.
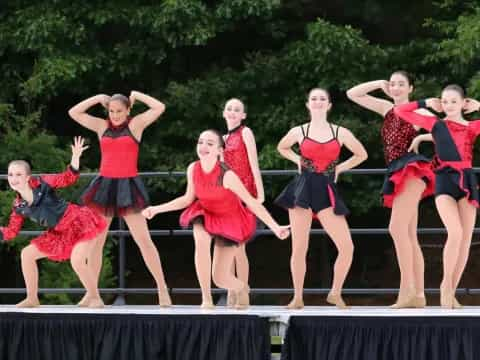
{"points": [[119, 153], [236, 157], [397, 135], [210, 192]]}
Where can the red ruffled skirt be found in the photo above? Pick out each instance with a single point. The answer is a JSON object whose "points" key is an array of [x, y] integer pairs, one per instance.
{"points": [[79, 223], [409, 166], [237, 226]]}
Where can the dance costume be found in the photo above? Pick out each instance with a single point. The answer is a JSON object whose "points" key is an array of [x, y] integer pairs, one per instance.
{"points": [[219, 209], [314, 188], [68, 224], [397, 135], [118, 189], [236, 158], [453, 146]]}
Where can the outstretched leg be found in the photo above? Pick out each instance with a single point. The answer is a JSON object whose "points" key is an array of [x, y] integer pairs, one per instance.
{"points": [[137, 225]]}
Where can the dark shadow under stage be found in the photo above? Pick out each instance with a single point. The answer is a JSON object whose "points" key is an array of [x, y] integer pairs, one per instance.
{"points": [[188, 333]]}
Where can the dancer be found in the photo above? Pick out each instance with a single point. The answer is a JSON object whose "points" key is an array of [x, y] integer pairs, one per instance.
{"points": [[118, 190], [214, 198], [241, 156], [314, 191], [456, 187], [409, 178], [71, 229]]}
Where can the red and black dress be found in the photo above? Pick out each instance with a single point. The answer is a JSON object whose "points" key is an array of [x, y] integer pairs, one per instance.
{"points": [[453, 146], [315, 188], [118, 189], [68, 224], [397, 135], [236, 158], [222, 213]]}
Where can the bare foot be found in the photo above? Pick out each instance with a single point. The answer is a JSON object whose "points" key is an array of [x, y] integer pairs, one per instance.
{"points": [[456, 304], [207, 305], [446, 298], [84, 301], [405, 303], [337, 301], [296, 304], [420, 302], [243, 298], [96, 303], [28, 303], [231, 299], [164, 298]]}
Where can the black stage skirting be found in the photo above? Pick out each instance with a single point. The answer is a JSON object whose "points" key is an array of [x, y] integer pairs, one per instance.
{"points": [[386, 338], [133, 337]]}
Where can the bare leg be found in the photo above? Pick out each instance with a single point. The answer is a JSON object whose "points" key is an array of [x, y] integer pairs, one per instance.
{"points": [[203, 263], [337, 228], [450, 215], [301, 222], [137, 225], [78, 260], [403, 222], [418, 265], [222, 276], [96, 255], [29, 256], [468, 214]]}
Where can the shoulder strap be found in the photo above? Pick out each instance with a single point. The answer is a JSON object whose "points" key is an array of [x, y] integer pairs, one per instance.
{"points": [[336, 132]]}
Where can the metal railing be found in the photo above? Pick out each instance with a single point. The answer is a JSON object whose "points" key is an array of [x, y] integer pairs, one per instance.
{"points": [[121, 290]]}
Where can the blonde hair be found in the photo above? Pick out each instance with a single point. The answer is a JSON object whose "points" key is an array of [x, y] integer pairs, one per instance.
{"points": [[23, 163]]}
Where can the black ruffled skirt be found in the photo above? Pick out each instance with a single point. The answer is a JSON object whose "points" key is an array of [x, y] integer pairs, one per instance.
{"points": [[400, 170], [116, 196], [457, 184], [311, 190]]}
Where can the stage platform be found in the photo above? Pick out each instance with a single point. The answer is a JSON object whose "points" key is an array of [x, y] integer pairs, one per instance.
{"points": [[188, 332]]}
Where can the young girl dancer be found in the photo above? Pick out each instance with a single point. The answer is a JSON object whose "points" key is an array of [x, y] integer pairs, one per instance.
{"points": [[314, 191], [409, 178], [214, 199], [240, 155], [118, 190], [71, 229], [456, 187]]}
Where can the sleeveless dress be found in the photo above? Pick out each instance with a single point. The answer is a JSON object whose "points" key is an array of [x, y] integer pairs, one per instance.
{"points": [[118, 189], [397, 135], [222, 213], [236, 158], [314, 188]]}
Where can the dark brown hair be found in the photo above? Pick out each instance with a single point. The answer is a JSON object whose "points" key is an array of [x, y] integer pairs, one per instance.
{"points": [[321, 89], [221, 142], [122, 98], [405, 74], [457, 88]]}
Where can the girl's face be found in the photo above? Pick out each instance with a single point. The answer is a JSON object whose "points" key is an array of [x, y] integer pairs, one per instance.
{"points": [[399, 87], [452, 103], [234, 112], [117, 112], [17, 177], [318, 101], [208, 146]]}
